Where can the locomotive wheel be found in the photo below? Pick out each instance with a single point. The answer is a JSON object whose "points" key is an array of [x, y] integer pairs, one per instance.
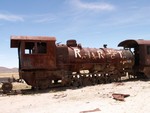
{"points": [[100, 80], [93, 80], [43, 84], [77, 82], [108, 79], [116, 77], [66, 82], [7, 87], [86, 81]]}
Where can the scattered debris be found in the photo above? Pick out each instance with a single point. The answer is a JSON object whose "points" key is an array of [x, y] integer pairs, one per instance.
{"points": [[6, 84], [57, 96], [119, 97], [94, 110], [7, 87]]}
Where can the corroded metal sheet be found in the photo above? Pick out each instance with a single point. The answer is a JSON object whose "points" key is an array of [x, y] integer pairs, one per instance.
{"points": [[103, 59], [133, 43], [15, 40], [120, 97]]}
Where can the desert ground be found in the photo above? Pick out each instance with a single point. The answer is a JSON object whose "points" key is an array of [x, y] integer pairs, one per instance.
{"points": [[89, 99]]}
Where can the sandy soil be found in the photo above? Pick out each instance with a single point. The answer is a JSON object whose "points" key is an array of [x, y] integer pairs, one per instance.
{"points": [[90, 99]]}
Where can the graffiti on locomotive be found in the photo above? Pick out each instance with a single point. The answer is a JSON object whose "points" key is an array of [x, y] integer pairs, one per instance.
{"points": [[99, 54]]}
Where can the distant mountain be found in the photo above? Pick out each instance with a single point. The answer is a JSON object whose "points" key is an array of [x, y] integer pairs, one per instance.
{"points": [[8, 70]]}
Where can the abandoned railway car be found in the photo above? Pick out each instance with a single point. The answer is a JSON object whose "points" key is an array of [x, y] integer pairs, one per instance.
{"points": [[43, 63]]}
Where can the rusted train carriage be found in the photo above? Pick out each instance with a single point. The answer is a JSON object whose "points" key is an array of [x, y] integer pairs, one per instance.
{"points": [[141, 51], [42, 62]]}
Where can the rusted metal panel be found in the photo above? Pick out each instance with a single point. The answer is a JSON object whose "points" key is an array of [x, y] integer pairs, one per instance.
{"points": [[71, 43], [133, 43], [103, 59], [15, 40], [45, 60], [146, 70], [35, 52], [89, 55], [127, 58], [62, 58], [120, 97], [144, 53], [86, 58], [36, 62], [118, 59], [32, 77]]}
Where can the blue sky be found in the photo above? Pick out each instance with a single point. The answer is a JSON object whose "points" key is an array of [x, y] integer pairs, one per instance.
{"points": [[91, 22]]}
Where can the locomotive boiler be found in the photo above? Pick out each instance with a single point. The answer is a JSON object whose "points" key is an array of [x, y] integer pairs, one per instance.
{"points": [[43, 63]]}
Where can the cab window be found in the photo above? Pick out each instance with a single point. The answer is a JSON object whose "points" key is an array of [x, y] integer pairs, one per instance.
{"points": [[41, 47], [148, 50], [29, 47], [35, 48]]}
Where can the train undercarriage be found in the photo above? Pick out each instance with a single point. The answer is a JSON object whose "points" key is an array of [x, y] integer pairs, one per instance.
{"points": [[45, 79]]}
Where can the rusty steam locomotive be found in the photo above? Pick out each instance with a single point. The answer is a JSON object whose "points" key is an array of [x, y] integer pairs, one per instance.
{"points": [[43, 63]]}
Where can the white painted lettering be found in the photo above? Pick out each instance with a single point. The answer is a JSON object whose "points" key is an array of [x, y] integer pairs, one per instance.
{"points": [[93, 55], [100, 54], [77, 53], [89, 54], [120, 53]]}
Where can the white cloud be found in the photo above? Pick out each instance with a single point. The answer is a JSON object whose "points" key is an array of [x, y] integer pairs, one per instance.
{"points": [[45, 18], [10, 17], [95, 6]]}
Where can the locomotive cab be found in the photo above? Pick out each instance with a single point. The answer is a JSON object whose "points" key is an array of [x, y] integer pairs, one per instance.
{"points": [[141, 55], [37, 59], [32, 51]]}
